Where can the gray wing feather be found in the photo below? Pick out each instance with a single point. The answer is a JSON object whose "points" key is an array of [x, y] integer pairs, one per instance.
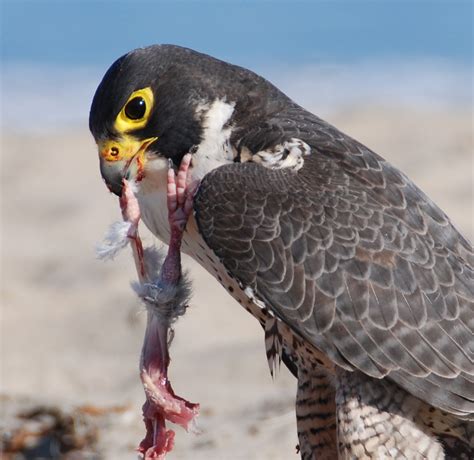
{"points": [[357, 260]]}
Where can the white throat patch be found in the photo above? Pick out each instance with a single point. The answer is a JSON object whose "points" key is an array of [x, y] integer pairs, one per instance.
{"points": [[214, 149]]}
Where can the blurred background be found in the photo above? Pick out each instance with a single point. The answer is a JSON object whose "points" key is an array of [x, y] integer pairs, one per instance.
{"points": [[396, 75]]}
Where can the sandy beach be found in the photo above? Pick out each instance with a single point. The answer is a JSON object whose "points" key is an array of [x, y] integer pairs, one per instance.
{"points": [[72, 328]]}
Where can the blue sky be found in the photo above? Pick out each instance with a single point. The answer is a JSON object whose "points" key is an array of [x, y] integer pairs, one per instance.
{"points": [[324, 54], [89, 33]]}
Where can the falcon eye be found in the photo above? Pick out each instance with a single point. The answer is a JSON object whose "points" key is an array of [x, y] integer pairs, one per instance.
{"points": [[136, 108], [135, 113]]}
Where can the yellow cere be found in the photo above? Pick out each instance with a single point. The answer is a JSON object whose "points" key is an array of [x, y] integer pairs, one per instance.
{"points": [[124, 149], [123, 123]]}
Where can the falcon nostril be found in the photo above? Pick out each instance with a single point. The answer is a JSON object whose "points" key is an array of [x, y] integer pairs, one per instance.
{"points": [[114, 151]]}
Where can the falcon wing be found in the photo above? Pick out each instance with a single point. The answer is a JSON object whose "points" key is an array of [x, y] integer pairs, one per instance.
{"points": [[351, 255]]}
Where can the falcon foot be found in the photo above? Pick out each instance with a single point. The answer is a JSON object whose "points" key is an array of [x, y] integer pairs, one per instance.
{"points": [[180, 205], [165, 292]]}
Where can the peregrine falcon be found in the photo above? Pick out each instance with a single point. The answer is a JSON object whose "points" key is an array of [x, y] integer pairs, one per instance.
{"points": [[363, 286]]}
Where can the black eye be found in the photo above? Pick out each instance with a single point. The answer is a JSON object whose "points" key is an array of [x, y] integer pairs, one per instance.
{"points": [[136, 108]]}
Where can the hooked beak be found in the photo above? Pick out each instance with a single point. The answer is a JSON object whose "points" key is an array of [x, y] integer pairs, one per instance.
{"points": [[122, 159]]}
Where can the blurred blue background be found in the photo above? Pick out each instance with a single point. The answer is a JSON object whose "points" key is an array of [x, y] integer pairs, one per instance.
{"points": [[247, 32], [322, 53]]}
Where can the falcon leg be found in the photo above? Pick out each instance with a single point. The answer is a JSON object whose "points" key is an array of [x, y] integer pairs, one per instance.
{"points": [[377, 419], [316, 416]]}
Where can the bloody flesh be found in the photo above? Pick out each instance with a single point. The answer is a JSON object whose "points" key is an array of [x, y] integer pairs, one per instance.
{"points": [[161, 402]]}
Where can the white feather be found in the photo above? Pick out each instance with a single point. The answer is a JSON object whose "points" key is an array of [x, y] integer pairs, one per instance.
{"points": [[114, 241], [214, 149]]}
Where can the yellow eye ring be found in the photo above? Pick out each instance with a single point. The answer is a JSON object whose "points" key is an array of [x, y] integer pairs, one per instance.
{"points": [[136, 111]]}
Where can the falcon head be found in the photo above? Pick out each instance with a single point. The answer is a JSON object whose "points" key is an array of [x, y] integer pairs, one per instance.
{"points": [[158, 103]]}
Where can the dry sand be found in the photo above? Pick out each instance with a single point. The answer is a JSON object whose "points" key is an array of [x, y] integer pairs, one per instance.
{"points": [[72, 328]]}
